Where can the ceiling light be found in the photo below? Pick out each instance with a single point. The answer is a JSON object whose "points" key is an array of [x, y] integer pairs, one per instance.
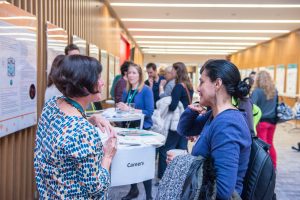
{"points": [[194, 5], [17, 27], [200, 37], [187, 53], [190, 47], [55, 29], [21, 34], [191, 43], [17, 17], [212, 20], [189, 50], [60, 36], [205, 30], [26, 39]]}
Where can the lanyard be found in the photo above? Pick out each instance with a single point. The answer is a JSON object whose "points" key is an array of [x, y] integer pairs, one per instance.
{"points": [[131, 96], [75, 105]]}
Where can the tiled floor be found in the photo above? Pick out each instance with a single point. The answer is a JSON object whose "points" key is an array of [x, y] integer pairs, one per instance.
{"points": [[288, 172]]}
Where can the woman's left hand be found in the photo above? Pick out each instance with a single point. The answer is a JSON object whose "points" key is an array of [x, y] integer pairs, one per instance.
{"points": [[123, 106], [103, 124]]}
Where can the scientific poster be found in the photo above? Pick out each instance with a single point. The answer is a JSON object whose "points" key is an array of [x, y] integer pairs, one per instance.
{"points": [[104, 74], [57, 40], [94, 51], [18, 66], [111, 72], [81, 43], [270, 70], [280, 76], [291, 83], [117, 66]]}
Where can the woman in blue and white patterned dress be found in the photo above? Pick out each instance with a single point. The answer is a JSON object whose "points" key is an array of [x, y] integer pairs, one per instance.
{"points": [[70, 160]]}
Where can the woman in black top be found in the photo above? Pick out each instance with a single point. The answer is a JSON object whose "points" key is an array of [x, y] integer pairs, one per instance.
{"points": [[182, 92]]}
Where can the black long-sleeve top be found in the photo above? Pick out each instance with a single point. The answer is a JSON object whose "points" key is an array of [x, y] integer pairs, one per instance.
{"points": [[179, 94]]}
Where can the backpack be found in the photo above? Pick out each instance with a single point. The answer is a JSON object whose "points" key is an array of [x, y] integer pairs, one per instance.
{"points": [[260, 178], [200, 182]]}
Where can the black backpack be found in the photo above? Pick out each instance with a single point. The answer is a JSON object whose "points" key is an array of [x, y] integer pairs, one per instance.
{"points": [[260, 178]]}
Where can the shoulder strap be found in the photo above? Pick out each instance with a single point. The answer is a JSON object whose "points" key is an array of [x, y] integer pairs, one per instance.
{"points": [[188, 93]]}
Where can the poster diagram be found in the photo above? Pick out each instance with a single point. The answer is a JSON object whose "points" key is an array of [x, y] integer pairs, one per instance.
{"points": [[291, 84], [18, 66], [280, 75]]}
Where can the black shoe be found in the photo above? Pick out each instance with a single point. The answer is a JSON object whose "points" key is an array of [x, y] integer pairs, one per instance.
{"points": [[133, 193]]}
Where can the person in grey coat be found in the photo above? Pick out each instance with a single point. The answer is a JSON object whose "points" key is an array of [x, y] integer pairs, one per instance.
{"points": [[166, 86]]}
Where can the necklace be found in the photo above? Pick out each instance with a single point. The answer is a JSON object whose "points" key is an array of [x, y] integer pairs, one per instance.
{"points": [[76, 105]]}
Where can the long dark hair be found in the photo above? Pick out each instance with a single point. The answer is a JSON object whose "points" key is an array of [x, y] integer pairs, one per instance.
{"points": [[230, 76], [182, 75]]}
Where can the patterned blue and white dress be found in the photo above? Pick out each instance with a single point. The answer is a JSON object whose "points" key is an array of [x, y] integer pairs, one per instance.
{"points": [[67, 157]]}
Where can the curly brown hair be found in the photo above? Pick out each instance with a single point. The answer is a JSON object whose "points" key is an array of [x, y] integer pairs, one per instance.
{"points": [[264, 81]]}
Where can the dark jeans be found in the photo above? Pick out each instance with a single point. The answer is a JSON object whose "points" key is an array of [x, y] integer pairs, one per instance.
{"points": [[173, 141]]}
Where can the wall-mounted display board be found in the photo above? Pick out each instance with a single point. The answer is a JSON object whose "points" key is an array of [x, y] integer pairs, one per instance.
{"points": [[81, 43], [111, 71], [291, 82], [104, 74], [117, 66], [270, 70], [94, 51], [280, 76], [57, 40], [18, 67]]}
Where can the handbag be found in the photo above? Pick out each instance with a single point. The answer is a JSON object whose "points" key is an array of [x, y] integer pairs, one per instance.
{"points": [[284, 113]]}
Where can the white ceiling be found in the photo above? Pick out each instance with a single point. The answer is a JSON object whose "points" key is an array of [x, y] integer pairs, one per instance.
{"points": [[205, 37]]}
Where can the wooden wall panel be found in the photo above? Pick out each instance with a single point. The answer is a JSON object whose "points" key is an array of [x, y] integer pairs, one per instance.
{"points": [[283, 50], [92, 21]]}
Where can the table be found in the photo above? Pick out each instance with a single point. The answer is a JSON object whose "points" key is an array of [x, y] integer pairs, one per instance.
{"points": [[124, 116], [134, 161]]}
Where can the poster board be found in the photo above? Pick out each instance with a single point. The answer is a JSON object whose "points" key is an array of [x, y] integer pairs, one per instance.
{"points": [[270, 70], [81, 43], [280, 76], [18, 66], [57, 40], [104, 74], [94, 51], [117, 66], [111, 71], [291, 83]]}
